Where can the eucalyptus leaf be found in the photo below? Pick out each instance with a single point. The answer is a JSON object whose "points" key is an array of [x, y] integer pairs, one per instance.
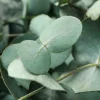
{"points": [[89, 96], [69, 59], [39, 23], [11, 84], [24, 83], [87, 48], [70, 93], [44, 79], [61, 34], [8, 55], [94, 12], [35, 57], [86, 51], [58, 58], [84, 80]]}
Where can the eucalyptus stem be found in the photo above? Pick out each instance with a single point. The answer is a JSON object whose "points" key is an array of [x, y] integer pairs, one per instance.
{"points": [[58, 80], [76, 70], [31, 94]]}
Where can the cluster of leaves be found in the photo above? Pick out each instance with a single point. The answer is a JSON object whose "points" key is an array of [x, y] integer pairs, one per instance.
{"points": [[49, 49]]}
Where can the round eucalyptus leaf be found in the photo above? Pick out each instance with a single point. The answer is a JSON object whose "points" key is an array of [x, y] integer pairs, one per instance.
{"points": [[35, 57], [61, 34], [58, 58], [39, 23], [86, 51]]}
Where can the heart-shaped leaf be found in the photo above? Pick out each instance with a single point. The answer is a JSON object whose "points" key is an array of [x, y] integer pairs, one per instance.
{"points": [[61, 34]]}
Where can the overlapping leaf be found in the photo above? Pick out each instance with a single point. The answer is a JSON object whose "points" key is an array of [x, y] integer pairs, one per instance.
{"points": [[11, 84], [58, 58], [87, 48], [17, 70], [87, 51], [39, 23], [61, 34]]}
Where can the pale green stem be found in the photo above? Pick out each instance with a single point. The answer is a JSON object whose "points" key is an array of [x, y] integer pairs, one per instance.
{"points": [[59, 79]]}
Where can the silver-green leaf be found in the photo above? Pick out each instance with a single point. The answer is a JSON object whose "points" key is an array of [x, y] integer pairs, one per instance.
{"points": [[61, 34], [16, 69]]}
